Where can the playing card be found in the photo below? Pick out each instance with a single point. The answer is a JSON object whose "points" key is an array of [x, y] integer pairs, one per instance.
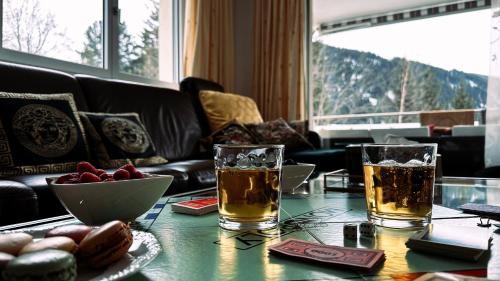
{"points": [[196, 207], [353, 258]]}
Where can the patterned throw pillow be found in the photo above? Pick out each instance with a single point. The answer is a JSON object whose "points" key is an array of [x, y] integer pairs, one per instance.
{"points": [[301, 126], [232, 133], [279, 132], [118, 139], [221, 108], [40, 133]]}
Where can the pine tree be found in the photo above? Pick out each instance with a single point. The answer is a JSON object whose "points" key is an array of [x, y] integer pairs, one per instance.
{"points": [[424, 91], [129, 52], [92, 50], [92, 53], [150, 42], [431, 90], [462, 99]]}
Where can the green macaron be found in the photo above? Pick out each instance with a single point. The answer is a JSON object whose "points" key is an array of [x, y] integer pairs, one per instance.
{"points": [[46, 265]]}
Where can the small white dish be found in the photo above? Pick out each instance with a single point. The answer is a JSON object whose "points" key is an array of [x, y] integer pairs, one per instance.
{"points": [[101, 202], [295, 175]]}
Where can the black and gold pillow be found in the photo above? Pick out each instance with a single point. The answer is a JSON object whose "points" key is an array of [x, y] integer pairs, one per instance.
{"points": [[119, 138], [279, 132], [40, 133]]}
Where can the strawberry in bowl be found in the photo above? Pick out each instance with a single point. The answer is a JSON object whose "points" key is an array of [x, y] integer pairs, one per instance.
{"points": [[95, 197]]}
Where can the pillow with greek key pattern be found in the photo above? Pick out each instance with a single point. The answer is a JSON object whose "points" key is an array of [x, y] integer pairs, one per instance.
{"points": [[40, 133], [119, 138]]}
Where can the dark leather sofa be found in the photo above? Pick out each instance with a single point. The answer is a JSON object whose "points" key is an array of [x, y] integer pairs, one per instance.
{"points": [[174, 119], [168, 115]]}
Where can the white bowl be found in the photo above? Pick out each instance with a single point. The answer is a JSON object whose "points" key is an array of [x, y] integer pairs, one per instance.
{"points": [[294, 175], [101, 202]]}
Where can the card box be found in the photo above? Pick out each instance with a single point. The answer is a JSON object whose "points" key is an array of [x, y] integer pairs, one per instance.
{"points": [[196, 207], [466, 243], [489, 211]]}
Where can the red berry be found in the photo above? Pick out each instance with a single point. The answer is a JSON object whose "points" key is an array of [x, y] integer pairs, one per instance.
{"points": [[72, 180], [128, 167], [89, 177], [99, 172], [121, 174], [136, 175], [83, 167], [105, 176], [63, 179]]}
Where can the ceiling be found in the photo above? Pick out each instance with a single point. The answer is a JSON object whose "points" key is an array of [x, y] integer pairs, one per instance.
{"points": [[336, 10]]}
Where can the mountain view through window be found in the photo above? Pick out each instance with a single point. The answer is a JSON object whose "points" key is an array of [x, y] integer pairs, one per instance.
{"points": [[438, 63]]}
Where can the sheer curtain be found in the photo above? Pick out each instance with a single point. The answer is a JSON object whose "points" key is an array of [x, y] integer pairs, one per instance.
{"points": [[492, 140], [278, 58], [209, 41]]}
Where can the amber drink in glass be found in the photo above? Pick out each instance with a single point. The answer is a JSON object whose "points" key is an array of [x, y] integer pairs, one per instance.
{"points": [[248, 185], [399, 184]]}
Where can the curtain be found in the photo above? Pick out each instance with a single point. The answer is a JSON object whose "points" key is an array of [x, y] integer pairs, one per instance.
{"points": [[278, 58], [209, 41], [492, 138]]}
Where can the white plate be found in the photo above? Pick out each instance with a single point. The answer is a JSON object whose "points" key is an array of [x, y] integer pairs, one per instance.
{"points": [[143, 250]]}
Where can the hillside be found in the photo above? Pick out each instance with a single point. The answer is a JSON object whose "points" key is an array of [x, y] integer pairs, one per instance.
{"points": [[348, 82]]}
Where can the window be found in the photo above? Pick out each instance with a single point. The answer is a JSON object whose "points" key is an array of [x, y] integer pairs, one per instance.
{"points": [[46, 28], [125, 39], [139, 40], [391, 67]]}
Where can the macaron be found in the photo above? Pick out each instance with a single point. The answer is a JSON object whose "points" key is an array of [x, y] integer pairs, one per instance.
{"points": [[47, 265], [74, 231], [12, 243], [105, 245], [60, 243]]}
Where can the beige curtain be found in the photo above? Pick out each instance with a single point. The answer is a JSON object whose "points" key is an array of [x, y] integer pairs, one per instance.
{"points": [[209, 41], [278, 58]]}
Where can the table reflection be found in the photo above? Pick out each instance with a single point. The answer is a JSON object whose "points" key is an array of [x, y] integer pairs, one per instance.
{"points": [[449, 192]]}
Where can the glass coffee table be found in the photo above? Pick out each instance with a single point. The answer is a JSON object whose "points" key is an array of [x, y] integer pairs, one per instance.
{"points": [[195, 248]]}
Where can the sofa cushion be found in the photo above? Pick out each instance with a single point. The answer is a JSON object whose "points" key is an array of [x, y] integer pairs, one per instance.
{"points": [[220, 108], [119, 138], [40, 134], [279, 132], [231, 133], [168, 116], [18, 78], [301, 126], [191, 86]]}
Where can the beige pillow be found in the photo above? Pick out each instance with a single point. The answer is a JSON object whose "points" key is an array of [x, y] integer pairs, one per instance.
{"points": [[221, 108]]}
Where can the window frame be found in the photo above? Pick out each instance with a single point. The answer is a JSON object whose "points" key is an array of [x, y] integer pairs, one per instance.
{"points": [[110, 69], [372, 20]]}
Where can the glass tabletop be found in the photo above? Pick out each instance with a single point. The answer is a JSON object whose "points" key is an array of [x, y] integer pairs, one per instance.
{"points": [[449, 192]]}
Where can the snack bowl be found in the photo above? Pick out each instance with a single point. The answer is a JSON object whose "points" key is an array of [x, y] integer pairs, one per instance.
{"points": [[101, 202], [294, 175]]}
